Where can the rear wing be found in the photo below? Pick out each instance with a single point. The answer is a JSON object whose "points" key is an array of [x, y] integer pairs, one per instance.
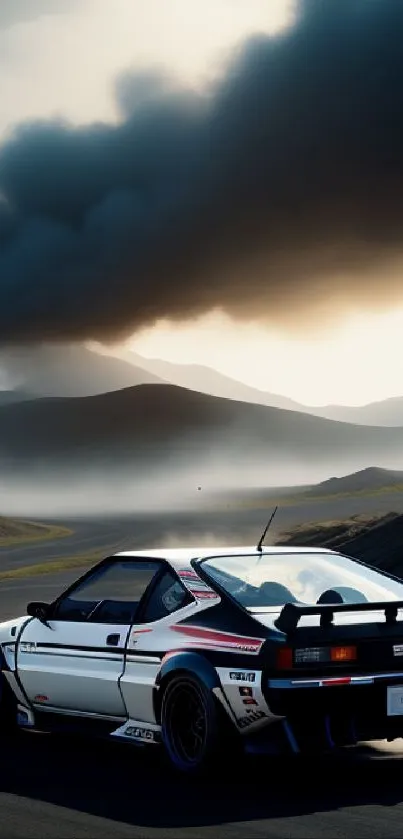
{"points": [[292, 613]]}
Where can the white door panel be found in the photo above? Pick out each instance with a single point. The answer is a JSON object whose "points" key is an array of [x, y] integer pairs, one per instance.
{"points": [[70, 666], [75, 662], [137, 686]]}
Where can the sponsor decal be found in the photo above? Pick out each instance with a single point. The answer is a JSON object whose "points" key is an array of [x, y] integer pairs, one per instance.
{"points": [[241, 676], [251, 717], [213, 639], [398, 649], [197, 586], [245, 691], [28, 647], [40, 697], [188, 575], [140, 733]]}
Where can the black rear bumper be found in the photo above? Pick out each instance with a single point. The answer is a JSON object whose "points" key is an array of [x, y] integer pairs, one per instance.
{"points": [[329, 715]]}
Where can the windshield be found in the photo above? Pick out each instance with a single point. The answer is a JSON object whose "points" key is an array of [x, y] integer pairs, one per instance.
{"points": [[275, 579]]}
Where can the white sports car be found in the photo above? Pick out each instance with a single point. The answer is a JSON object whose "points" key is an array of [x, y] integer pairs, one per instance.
{"points": [[271, 649]]}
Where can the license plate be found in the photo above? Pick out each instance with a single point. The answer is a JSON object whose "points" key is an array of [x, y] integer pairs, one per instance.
{"points": [[395, 701]]}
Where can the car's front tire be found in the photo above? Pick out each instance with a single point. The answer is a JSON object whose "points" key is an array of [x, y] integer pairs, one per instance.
{"points": [[192, 725]]}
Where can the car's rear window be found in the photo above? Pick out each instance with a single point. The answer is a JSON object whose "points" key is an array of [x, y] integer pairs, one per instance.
{"points": [[309, 578]]}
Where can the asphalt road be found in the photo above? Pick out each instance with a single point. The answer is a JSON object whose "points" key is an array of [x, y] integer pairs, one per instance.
{"points": [[55, 787], [88, 535], [204, 527], [224, 524]]}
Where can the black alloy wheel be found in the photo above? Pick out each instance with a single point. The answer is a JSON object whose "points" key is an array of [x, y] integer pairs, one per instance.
{"points": [[190, 724]]}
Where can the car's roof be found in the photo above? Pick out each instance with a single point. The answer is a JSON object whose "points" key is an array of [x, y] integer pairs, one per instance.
{"points": [[182, 556]]}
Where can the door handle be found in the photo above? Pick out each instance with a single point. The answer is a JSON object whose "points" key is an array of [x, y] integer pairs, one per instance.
{"points": [[113, 640]]}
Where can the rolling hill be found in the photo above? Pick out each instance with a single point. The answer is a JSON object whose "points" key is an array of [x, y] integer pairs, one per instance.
{"points": [[149, 424], [377, 541], [371, 479], [67, 370]]}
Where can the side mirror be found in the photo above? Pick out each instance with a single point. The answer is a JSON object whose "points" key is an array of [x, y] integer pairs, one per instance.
{"points": [[39, 610]]}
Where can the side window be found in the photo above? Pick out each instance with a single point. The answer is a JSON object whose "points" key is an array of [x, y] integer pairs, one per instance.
{"points": [[168, 595], [110, 595]]}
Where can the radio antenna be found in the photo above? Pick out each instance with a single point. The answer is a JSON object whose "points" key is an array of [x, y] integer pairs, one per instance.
{"points": [[263, 536]]}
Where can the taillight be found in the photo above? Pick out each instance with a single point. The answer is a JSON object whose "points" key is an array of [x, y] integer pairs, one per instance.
{"points": [[343, 653], [284, 658], [287, 658]]}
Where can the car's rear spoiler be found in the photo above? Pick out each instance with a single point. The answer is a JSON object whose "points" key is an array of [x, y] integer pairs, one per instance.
{"points": [[292, 613]]}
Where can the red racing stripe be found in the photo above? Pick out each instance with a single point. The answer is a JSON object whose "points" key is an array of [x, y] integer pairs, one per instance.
{"points": [[224, 639]]}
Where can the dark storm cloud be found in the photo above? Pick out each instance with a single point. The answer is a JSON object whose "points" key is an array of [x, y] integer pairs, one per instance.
{"points": [[22, 11], [279, 190]]}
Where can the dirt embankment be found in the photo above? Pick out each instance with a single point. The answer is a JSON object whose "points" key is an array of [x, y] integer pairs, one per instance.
{"points": [[377, 541]]}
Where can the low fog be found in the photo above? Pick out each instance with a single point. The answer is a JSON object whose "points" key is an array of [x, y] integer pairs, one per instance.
{"points": [[206, 486]]}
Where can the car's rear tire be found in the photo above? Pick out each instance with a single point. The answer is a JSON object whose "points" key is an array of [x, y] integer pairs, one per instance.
{"points": [[193, 729]]}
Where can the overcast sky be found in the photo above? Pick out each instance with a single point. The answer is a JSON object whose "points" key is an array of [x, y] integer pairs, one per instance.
{"points": [[62, 59]]}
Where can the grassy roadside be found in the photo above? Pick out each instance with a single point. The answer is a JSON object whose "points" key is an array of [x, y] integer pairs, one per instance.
{"points": [[26, 532], [308, 497], [52, 566]]}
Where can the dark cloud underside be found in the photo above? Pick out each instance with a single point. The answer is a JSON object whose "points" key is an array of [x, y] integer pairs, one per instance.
{"points": [[279, 192]]}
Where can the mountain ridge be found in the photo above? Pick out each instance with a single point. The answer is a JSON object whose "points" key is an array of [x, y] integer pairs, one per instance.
{"points": [[387, 412], [68, 370], [146, 421], [75, 370]]}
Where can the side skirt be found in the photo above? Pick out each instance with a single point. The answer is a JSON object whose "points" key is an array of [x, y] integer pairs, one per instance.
{"points": [[71, 722], [141, 732], [53, 720]]}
